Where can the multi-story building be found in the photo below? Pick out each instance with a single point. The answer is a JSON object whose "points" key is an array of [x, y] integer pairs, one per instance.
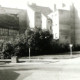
{"points": [[77, 23], [38, 17], [64, 23], [12, 22]]}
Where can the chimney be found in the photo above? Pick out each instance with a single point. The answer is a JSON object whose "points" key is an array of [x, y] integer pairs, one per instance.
{"points": [[55, 7]]}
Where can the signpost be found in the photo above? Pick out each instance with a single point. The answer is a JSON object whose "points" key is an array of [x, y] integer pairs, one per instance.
{"points": [[71, 45]]}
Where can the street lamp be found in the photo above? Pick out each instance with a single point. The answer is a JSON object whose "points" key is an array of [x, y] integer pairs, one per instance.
{"points": [[71, 45], [29, 54]]}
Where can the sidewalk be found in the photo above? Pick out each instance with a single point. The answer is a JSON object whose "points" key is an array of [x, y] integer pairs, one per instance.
{"points": [[42, 59], [34, 61]]}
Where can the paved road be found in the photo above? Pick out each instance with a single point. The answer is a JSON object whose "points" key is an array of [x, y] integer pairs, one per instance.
{"points": [[62, 70]]}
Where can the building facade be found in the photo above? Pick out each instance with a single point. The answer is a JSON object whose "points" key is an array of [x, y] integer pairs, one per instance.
{"points": [[38, 17], [64, 28], [63, 22], [77, 23], [12, 22]]}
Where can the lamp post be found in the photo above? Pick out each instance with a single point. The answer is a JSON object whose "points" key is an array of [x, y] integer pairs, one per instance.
{"points": [[29, 54], [71, 45]]}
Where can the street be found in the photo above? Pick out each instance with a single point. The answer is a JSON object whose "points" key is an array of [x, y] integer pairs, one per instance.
{"points": [[66, 69]]}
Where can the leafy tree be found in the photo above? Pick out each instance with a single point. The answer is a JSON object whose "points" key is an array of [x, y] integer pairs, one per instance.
{"points": [[29, 39], [20, 45], [38, 40], [7, 49]]}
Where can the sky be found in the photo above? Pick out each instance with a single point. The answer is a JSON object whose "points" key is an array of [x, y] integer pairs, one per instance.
{"points": [[22, 3]]}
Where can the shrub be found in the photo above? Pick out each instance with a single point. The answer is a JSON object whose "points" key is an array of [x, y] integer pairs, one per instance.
{"points": [[39, 41], [76, 47], [59, 48], [7, 50]]}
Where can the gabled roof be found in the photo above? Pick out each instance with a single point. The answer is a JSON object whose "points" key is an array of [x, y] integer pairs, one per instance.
{"points": [[44, 10]]}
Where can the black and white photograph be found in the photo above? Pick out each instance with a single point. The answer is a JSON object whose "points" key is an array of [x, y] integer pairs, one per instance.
{"points": [[39, 40]]}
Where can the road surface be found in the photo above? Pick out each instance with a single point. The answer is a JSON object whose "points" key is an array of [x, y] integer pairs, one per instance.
{"points": [[67, 69]]}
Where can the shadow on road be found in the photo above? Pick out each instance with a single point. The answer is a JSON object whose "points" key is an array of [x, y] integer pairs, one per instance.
{"points": [[8, 75]]}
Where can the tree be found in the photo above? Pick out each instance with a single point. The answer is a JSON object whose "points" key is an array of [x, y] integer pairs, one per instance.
{"points": [[33, 42], [20, 45], [29, 39], [7, 49], [38, 39]]}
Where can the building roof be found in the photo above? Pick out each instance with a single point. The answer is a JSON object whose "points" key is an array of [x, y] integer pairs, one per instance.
{"points": [[7, 20], [9, 17], [44, 10]]}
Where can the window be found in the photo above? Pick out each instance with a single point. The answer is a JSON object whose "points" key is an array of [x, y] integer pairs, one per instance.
{"points": [[55, 14], [3, 31], [66, 37], [38, 15], [63, 5], [55, 24], [61, 12]]}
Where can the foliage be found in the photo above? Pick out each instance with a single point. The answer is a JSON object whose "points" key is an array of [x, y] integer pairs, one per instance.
{"points": [[39, 41], [7, 50], [59, 47], [76, 47], [20, 46]]}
